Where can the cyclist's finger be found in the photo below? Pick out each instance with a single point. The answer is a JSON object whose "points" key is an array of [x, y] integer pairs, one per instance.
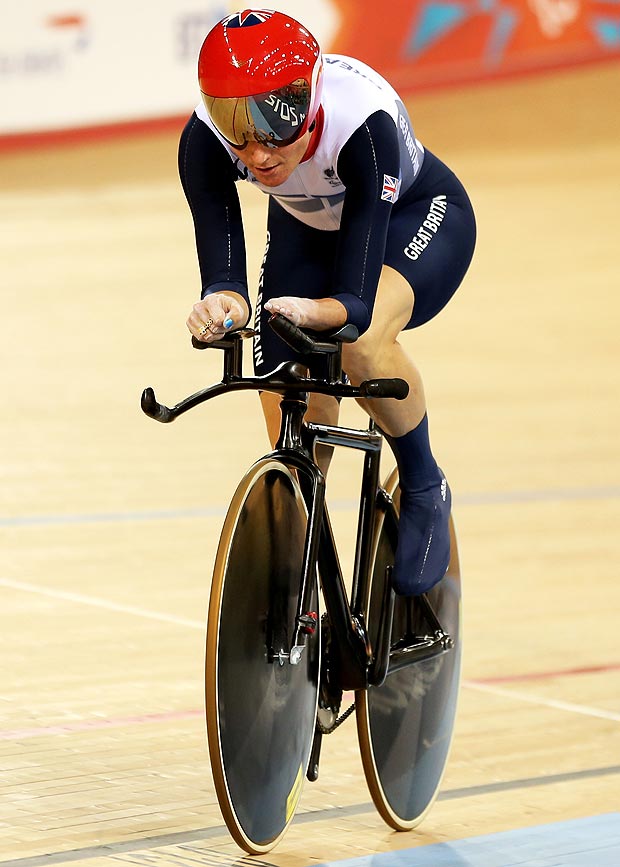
{"points": [[202, 312], [231, 313], [214, 316], [201, 325], [287, 307]]}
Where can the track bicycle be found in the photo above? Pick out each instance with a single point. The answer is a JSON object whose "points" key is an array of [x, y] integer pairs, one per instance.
{"points": [[276, 667]]}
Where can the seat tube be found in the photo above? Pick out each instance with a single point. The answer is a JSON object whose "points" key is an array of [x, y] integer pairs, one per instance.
{"points": [[365, 527]]}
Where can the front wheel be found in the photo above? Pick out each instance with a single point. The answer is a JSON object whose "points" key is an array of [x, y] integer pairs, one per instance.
{"points": [[260, 707], [405, 725]]}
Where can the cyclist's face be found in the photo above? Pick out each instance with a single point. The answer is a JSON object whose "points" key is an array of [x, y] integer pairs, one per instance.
{"points": [[272, 166]]}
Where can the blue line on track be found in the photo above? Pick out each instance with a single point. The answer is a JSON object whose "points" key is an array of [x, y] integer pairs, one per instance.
{"points": [[491, 498], [590, 842], [112, 517], [599, 836]]}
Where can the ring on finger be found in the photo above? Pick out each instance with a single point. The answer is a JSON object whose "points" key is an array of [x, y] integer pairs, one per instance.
{"points": [[206, 327]]}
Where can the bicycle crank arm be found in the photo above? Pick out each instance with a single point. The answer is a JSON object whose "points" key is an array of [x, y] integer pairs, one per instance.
{"points": [[421, 649]]}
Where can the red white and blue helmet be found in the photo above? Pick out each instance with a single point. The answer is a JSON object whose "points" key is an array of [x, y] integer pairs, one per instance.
{"points": [[260, 75]]}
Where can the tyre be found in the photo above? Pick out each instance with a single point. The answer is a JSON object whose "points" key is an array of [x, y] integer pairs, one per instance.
{"points": [[260, 708], [405, 725]]}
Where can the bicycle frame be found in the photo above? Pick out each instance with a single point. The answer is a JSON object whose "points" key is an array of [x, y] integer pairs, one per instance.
{"points": [[360, 665]]}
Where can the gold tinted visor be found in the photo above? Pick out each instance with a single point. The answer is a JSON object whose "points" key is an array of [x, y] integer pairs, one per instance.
{"points": [[275, 119]]}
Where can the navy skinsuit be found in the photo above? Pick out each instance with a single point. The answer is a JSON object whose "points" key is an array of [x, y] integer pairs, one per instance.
{"points": [[370, 195]]}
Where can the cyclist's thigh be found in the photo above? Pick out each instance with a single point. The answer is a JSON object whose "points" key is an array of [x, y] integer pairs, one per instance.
{"points": [[391, 313], [431, 239], [298, 261]]}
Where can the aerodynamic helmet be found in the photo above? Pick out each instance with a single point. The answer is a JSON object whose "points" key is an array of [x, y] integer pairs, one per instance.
{"points": [[260, 76]]}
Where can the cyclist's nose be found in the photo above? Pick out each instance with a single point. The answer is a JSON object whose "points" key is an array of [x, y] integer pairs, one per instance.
{"points": [[258, 153]]}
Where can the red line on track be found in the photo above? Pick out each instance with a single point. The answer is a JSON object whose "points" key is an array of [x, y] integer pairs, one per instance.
{"points": [[82, 135], [547, 675], [180, 716], [93, 724]]}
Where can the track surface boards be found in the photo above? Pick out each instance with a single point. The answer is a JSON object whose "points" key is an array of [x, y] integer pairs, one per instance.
{"points": [[109, 522]]}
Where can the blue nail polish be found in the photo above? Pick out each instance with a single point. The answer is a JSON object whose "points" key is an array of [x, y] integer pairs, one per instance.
{"points": [[228, 323]]}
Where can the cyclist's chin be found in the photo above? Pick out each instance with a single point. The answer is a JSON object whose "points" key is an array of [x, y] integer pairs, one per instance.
{"points": [[272, 177]]}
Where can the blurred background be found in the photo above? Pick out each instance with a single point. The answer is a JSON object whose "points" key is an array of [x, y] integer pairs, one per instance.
{"points": [[66, 66], [109, 522]]}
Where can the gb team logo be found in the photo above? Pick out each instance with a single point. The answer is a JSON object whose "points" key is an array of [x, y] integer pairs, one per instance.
{"points": [[391, 188], [248, 18]]}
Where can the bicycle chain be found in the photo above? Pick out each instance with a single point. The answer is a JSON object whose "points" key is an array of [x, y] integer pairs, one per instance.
{"points": [[327, 730], [325, 679]]}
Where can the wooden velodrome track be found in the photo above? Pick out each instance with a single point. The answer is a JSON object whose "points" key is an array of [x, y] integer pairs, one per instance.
{"points": [[109, 521]]}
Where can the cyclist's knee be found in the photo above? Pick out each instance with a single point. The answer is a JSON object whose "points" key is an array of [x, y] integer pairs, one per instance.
{"points": [[369, 352], [360, 357]]}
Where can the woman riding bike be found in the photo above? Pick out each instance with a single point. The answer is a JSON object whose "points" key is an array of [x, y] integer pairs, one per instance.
{"points": [[365, 226]]}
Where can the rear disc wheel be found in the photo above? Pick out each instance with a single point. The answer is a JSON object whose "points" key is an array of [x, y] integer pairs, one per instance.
{"points": [[405, 725]]}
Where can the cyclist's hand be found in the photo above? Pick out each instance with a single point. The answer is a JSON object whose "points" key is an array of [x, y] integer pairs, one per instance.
{"points": [[216, 315], [318, 314]]}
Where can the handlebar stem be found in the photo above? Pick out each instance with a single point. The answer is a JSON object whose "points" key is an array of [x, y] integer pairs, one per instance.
{"points": [[233, 361], [292, 412]]}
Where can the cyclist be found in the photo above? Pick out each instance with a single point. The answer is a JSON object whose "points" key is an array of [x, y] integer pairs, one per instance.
{"points": [[365, 226]]}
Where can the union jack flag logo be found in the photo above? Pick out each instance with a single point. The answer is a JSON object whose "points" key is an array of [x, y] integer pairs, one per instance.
{"points": [[391, 188], [248, 17]]}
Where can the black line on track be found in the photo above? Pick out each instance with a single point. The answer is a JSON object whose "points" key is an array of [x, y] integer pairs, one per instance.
{"points": [[200, 834]]}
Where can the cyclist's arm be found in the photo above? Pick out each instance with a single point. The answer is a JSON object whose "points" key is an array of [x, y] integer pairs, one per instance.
{"points": [[371, 153], [208, 178]]}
